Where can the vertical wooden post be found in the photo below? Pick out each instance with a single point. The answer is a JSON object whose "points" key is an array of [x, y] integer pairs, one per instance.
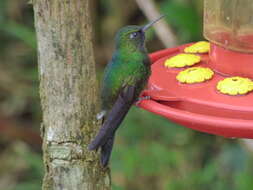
{"points": [[68, 95]]}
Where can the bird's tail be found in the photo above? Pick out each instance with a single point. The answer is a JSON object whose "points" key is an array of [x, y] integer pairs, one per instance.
{"points": [[106, 150], [105, 136], [111, 124]]}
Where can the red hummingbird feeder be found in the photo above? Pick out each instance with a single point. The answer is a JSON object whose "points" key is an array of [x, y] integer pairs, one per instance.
{"points": [[228, 26]]}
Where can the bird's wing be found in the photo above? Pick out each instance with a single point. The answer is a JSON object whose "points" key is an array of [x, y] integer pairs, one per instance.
{"points": [[114, 118]]}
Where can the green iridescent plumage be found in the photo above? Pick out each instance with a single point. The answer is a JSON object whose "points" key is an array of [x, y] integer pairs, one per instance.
{"points": [[124, 78], [130, 65]]}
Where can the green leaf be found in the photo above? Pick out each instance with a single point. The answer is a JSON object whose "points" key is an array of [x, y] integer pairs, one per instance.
{"points": [[184, 17], [20, 32]]}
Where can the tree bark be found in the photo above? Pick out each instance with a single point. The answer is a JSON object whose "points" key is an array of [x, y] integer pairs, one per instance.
{"points": [[68, 95]]}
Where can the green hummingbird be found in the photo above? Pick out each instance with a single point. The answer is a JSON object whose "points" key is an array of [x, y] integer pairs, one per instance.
{"points": [[125, 77]]}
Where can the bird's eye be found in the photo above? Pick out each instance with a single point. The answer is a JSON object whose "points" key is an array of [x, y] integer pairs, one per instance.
{"points": [[133, 35]]}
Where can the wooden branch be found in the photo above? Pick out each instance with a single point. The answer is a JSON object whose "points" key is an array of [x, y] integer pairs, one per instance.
{"points": [[68, 95], [164, 32]]}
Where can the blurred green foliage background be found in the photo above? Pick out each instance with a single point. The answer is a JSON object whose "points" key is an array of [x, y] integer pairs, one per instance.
{"points": [[150, 152]]}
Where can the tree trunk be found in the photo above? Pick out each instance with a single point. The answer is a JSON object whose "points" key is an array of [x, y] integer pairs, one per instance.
{"points": [[68, 95]]}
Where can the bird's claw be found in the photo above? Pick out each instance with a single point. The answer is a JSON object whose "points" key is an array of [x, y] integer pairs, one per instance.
{"points": [[142, 98], [100, 115]]}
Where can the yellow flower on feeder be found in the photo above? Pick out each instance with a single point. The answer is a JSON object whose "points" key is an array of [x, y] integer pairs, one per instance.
{"points": [[182, 60], [199, 47], [195, 75], [235, 86]]}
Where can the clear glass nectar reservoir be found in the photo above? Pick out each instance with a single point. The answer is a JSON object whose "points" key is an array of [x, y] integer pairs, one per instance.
{"points": [[229, 23]]}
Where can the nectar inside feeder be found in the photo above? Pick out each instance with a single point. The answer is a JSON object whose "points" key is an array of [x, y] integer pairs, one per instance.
{"points": [[222, 104]]}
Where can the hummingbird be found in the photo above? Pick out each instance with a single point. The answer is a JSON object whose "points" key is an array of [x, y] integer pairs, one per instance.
{"points": [[125, 76]]}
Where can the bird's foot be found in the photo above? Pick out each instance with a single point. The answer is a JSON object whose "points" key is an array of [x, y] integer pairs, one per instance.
{"points": [[100, 115], [142, 98]]}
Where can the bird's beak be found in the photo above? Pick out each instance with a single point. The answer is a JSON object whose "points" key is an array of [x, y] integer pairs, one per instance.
{"points": [[147, 26]]}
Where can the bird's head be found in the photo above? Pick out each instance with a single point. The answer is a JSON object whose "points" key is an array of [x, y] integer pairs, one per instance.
{"points": [[133, 37]]}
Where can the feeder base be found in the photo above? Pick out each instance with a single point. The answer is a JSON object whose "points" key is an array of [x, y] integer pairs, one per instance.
{"points": [[197, 106]]}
